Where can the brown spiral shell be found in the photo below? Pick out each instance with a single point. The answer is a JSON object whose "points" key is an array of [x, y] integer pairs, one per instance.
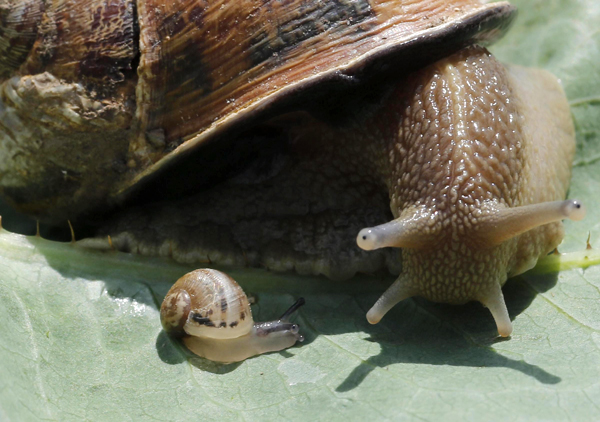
{"points": [[219, 306], [208, 66]]}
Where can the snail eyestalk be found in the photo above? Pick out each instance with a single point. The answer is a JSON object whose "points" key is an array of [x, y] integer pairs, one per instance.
{"points": [[404, 232], [510, 222], [300, 302]]}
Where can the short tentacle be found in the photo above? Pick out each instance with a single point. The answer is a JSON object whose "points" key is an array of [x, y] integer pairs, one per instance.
{"points": [[397, 292], [494, 301]]}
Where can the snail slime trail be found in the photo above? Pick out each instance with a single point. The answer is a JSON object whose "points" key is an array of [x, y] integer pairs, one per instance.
{"points": [[460, 161], [212, 315]]}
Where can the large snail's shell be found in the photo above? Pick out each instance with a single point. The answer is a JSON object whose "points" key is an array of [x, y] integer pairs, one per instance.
{"points": [[220, 305], [206, 66], [20, 20], [198, 68]]}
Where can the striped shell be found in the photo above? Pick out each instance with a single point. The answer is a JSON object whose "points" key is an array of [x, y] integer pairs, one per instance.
{"points": [[112, 91], [206, 303], [19, 29]]}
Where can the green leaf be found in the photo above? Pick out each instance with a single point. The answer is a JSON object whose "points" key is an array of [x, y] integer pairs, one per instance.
{"points": [[80, 337]]}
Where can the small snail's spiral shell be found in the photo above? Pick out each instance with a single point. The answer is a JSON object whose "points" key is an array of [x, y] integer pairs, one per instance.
{"points": [[175, 310], [206, 303]]}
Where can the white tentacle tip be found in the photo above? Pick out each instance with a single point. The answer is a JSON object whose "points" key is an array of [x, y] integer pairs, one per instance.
{"points": [[367, 239], [505, 334], [505, 329], [373, 316], [574, 210]]}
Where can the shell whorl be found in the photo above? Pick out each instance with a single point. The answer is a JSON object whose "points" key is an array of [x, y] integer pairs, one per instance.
{"points": [[174, 311], [206, 303], [19, 20]]}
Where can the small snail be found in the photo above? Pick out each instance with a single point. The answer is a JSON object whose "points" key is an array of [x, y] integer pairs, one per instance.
{"points": [[212, 314]]}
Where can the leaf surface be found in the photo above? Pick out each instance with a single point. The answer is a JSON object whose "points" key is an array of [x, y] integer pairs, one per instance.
{"points": [[80, 337]]}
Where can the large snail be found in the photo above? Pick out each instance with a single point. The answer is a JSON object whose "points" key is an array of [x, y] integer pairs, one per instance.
{"points": [[211, 312], [271, 133]]}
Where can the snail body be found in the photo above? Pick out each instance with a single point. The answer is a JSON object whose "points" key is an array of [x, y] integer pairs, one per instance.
{"points": [[211, 313], [270, 134], [482, 198]]}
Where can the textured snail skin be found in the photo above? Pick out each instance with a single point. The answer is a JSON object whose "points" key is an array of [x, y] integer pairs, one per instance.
{"points": [[476, 173], [211, 313]]}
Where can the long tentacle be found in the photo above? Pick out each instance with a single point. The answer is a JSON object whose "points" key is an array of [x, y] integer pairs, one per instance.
{"points": [[510, 222]]}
